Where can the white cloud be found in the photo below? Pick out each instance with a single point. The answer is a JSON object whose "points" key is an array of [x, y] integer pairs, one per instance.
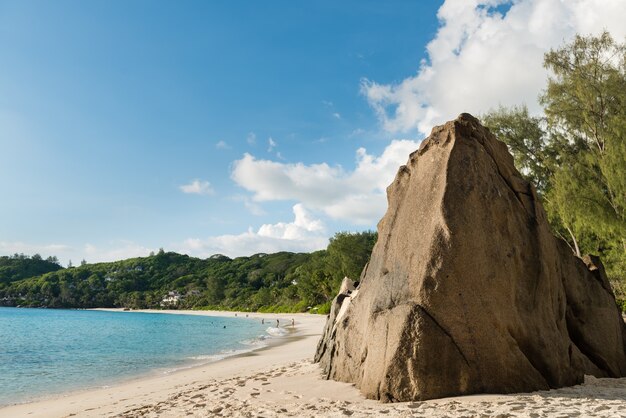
{"points": [[201, 187], [480, 59], [251, 138], [222, 145], [303, 234], [301, 228], [357, 196], [271, 144], [337, 115], [252, 207]]}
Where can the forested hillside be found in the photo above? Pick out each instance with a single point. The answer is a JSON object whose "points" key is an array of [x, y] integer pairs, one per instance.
{"points": [[20, 266], [284, 281]]}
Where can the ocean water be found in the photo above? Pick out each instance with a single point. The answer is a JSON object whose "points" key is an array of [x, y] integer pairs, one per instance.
{"points": [[45, 352]]}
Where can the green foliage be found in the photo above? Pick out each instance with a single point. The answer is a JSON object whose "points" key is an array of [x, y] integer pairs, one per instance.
{"points": [[585, 102], [347, 253], [535, 155], [280, 282], [577, 156], [324, 308], [19, 266]]}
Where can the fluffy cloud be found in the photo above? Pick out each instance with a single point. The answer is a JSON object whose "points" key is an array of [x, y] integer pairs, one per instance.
{"points": [[481, 58], [357, 196], [303, 234], [197, 187]]}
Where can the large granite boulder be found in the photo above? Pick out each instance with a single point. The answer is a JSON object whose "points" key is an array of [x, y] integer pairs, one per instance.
{"points": [[467, 290]]}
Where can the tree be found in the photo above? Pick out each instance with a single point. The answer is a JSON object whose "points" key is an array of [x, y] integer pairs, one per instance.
{"points": [[349, 252], [535, 155], [585, 104], [576, 155]]}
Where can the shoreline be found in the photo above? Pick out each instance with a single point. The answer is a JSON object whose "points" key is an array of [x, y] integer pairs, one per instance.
{"points": [[114, 381], [68, 403], [281, 380]]}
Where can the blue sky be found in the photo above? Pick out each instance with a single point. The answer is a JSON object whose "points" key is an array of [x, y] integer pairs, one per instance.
{"points": [[240, 127]]}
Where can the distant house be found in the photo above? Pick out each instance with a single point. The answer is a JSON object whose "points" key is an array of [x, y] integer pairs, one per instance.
{"points": [[171, 299]]}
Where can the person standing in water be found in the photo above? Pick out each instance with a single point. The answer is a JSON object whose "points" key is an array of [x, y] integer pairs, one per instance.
{"points": [[277, 323], [293, 322]]}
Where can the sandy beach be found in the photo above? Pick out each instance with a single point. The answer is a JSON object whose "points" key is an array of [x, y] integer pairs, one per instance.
{"points": [[280, 380]]}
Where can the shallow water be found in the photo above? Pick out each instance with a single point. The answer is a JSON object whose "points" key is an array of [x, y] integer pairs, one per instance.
{"points": [[45, 352]]}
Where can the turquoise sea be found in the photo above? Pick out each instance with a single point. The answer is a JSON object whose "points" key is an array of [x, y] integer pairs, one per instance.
{"points": [[45, 352]]}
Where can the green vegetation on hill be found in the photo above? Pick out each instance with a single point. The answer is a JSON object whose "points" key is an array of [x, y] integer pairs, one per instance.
{"points": [[20, 266], [280, 282], [576, 155]]}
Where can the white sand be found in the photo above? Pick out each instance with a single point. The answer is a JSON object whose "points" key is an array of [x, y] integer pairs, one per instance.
{"points": [[280, 380]]}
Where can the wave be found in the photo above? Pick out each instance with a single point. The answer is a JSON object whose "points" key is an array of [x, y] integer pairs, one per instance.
{"points": [[277, 332], [221, 355], [252, 345]]}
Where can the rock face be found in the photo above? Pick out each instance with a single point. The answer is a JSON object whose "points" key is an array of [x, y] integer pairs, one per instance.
{"points": [[467, 290]]}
